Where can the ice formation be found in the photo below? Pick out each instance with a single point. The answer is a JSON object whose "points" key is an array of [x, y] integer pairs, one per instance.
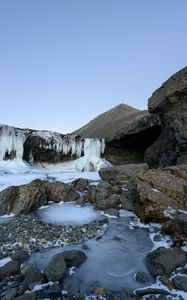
{"points": [[112, 261], [11, 142], [68, 214], [85, 152], [69, 144]]}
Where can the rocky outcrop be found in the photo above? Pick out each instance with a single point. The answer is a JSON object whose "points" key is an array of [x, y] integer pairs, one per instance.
{"points": [[170, 103], [154, 195], [29, 197], [122, 173], [164, 261], [128, 133]]}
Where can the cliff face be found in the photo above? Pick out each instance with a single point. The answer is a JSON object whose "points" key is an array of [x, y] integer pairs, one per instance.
{"points": [[170, 103], [128, 132]]}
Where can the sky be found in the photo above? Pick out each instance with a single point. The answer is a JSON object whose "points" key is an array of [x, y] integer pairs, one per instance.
{"points": [[63, 62]]}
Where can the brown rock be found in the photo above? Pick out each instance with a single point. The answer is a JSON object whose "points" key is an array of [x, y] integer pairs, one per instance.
{"points": [[11, 268], [29, 197], [156, 193]]}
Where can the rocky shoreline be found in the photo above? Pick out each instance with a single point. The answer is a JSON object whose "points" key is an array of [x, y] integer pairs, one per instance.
{"points": [[154, 195], [28, 232]]}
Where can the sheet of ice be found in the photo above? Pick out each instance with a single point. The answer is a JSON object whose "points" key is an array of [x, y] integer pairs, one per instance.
{"points": [[112, 261], [7, 180], [14, 166], [68, 214], [6, 218], [4, 261], [82, 164]]}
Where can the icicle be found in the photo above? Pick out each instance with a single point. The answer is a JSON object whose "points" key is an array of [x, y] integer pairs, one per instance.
{"points": [[11, 142]]}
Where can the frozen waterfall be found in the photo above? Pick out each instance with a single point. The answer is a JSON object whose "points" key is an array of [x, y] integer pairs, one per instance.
{"points": [[11, 142], [18, 145]]}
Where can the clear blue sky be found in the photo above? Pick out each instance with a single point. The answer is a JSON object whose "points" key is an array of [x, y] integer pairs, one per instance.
{"points": [[63, 62]]}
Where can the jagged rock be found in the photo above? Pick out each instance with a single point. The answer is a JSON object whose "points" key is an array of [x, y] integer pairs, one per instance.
{"points": [[24, 198], [29, 197], [155, 195], [56, 268], [164, 261], [74, 258], [170, 102], [32, 275], [108, 202], [80, 184], [177, 226], [121, 174]]}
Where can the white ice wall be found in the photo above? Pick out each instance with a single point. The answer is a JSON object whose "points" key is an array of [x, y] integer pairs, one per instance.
{"points": [[71, 144], [11, 141]]}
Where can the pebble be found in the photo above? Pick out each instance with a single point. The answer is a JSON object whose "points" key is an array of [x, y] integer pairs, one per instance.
{"points": [[28, 232]]}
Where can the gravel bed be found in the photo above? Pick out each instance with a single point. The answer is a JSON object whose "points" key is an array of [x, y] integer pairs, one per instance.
{"points": [[30, 233]]}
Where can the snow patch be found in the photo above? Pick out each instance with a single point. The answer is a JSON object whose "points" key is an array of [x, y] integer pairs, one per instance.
{"points": [[4, 261]]}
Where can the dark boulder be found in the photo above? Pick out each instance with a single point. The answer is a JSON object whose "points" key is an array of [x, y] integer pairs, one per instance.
{"points": [[180, 282], [20, 255], [121, 174], [170, 102], [107, 202], [10, 268], [56, 268], [164, 261], [74, 258]]}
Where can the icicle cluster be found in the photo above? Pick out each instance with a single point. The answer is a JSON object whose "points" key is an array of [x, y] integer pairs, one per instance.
{"points": [[11, 142], [73, 145]]}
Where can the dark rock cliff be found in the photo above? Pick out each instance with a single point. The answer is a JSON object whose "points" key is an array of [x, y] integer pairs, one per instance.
{"points": [[170, 103]]}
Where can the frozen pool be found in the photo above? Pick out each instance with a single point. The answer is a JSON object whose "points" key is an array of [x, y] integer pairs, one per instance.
{"points": [[68, 214], [112, 261]]}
